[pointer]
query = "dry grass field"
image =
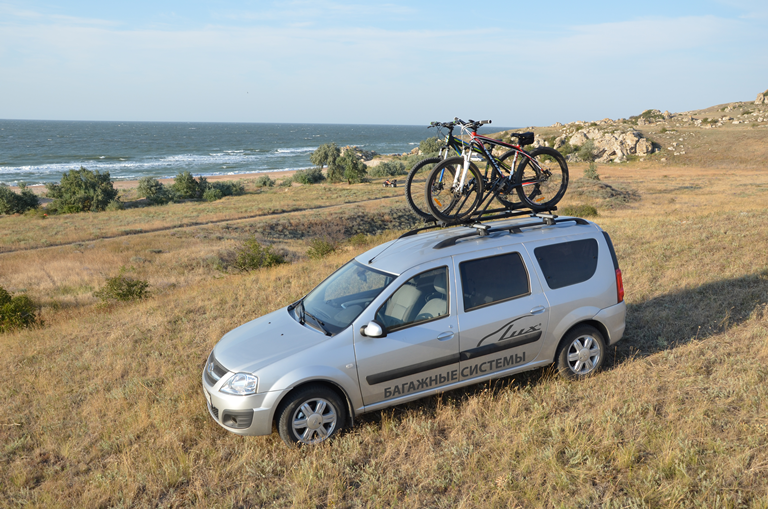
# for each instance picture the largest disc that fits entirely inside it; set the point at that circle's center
(102, 406)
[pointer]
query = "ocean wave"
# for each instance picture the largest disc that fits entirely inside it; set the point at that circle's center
(300, 150)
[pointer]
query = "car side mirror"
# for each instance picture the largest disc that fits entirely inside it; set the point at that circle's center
(373, 330)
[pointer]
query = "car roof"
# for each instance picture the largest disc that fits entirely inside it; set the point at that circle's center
(411, 250)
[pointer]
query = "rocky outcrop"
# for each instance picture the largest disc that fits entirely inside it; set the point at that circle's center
(614, 147)
(761, 99)
(363, 155)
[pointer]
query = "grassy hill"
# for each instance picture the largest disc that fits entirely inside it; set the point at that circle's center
(102, 406)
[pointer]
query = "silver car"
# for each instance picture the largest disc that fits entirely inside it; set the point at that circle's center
(419, 315)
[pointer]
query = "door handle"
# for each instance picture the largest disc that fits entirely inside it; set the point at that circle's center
(538, 310)
(445, 336)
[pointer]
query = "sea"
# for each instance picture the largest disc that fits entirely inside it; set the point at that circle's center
(40, 151)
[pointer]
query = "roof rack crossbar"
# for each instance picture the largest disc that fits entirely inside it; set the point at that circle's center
(483, 232)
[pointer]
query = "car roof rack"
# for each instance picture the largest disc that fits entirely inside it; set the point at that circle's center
(483, 230)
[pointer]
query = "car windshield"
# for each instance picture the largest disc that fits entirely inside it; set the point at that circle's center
(338, 300)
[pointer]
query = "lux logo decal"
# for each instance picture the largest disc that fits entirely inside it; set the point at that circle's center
(510, 331)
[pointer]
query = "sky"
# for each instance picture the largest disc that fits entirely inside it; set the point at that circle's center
(351, 62)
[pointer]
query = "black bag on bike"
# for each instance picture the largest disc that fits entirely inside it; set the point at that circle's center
(525, 138)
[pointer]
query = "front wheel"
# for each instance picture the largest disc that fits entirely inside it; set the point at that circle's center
(414, 187)
(449, 199)
(310, 416)
(541, 181)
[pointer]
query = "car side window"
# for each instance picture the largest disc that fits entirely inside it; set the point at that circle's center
(567, 263)
(494, 279)
(420, 299)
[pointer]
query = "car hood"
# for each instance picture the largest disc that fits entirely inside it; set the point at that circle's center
(264, 341)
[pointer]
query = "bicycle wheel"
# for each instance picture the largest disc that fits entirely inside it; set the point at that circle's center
(451, 202)
(542, 180)
(414, 187)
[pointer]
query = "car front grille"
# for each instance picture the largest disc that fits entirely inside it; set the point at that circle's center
(213, 370)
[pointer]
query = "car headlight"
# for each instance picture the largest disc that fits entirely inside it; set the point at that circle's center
(240, 384)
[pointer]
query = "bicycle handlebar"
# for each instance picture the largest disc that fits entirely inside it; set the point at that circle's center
(471, 123)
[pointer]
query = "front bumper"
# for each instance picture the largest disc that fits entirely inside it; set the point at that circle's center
(243, 415)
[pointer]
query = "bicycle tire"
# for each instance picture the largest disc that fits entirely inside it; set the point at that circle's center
(542, 187)
(414, 187)
(448, 205)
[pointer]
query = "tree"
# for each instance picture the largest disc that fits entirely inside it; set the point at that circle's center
(325, 155)
(81, 191)
(154, 191)
(430, 146)
(349, 168)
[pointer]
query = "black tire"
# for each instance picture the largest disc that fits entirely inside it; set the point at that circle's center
(415, 184)
(543, 186)
(453, 205)
(328, 415)
(581, 352)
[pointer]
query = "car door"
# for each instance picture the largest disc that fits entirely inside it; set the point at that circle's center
(419, 350)
(503, 313)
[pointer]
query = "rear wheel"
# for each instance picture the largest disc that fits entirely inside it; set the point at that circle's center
(542, 180)
(581, 352)
(414, 187)
(447, 198)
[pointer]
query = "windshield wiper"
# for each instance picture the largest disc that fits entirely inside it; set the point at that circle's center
(319, 322)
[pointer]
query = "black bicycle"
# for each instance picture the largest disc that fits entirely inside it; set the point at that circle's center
(456, 191)
(417, 177)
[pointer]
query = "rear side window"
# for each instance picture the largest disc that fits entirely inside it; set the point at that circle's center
(494, 279)
(567, 263)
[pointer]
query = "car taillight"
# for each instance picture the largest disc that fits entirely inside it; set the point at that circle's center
(619, 285)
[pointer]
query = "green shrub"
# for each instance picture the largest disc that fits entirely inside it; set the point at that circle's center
(252, 255)
(567, 148)
(81, 191)
(319, 248)
(430, 146)
(123, 288)
(212, 194)
(286, 182)
(186, 187)
(388, 169)
(154, 191)
(16, 312)
(587, 151)
(17, 203)
(359, 240)
(115, 205)
(309, 176)
(264, 181)
(228, 188)
(578, 211)
(591, 172)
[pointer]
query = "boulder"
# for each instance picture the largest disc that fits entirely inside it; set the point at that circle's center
(761, 99)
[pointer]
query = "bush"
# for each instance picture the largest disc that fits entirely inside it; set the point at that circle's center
(81, 191)
(310, 176)
(579, 211)
(430, 146)
(252, 255)
(228, 188)
(212, 194)
(388, 169)
(17, 203)
(264, 181)
(186, 187)
(319, 248)
(154, 191)
(591, 172)
(587, 151)
(16, 312)
(123, 288)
